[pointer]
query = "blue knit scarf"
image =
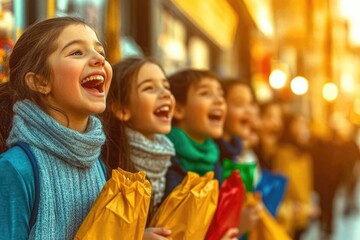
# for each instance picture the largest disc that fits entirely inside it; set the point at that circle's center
(70, 174)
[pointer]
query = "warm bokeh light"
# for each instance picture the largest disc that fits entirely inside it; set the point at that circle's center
(262, 13)
(263, 91)
(299, 85)
(354, 31)
(277, 79)
(265, 25)
(174, 49)
(347, 83)
(346, 8)
(349, 10)
(357, 106)
(330, 92)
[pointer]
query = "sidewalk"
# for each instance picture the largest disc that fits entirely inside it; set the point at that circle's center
(346, 227)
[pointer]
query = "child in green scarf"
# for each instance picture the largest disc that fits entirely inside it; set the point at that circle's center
(198, 118)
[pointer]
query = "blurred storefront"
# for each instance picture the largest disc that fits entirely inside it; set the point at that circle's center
(316, 41)
(260, 41)
(93, 11)
(178, 36)
(103, 15)
(12, 23)
(261, 46)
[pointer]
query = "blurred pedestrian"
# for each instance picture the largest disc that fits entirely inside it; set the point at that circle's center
(271, 117)
(293, 160)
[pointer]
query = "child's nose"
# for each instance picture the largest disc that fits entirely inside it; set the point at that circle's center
(165, 93)
(219, 99)
(98, 59)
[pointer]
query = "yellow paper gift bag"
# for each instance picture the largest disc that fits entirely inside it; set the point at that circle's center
(189, 208)
(121, 210)
(267, 227)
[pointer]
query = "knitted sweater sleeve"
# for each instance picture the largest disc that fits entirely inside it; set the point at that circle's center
(17, 194)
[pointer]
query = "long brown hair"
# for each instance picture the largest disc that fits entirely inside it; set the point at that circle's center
(30, 54)
(116, 153)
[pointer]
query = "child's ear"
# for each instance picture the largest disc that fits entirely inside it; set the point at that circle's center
(121, 113)
(179, 112)
(37, 83)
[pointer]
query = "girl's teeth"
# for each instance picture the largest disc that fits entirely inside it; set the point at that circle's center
(165, 108)
(91, 78)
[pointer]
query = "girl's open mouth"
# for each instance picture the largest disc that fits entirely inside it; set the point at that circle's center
(94, 82)
(163, 111)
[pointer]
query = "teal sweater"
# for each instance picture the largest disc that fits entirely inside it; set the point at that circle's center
(70, 175)
(18, 184)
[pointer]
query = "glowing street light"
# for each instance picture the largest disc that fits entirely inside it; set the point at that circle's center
(299, 85)
(277, 79)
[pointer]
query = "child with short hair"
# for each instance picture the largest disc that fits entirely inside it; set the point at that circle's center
(140, 110)
(198, 118)
(59, 78)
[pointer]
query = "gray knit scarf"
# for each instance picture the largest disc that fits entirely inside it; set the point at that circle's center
(153, 157)
(70, 174)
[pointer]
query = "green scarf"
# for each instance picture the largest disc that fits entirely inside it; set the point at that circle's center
(194, 156)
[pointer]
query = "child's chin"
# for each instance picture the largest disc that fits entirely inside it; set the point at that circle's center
(98, 109)
(216, 134)
(164, 130)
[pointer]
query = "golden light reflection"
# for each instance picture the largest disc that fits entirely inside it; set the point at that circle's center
(299, 85)
(330, 92)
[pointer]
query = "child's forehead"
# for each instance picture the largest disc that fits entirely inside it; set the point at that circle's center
(238, 89)
(77, 33)
(206, 81)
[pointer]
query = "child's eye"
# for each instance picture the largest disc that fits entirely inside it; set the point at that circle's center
(148, 88)
(77, 53)
(102, 53)
(167, 86)
(205, 93)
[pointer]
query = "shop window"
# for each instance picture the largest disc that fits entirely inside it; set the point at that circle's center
(7, 32)
(93, 11)
(199, 53)
(172, 43)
